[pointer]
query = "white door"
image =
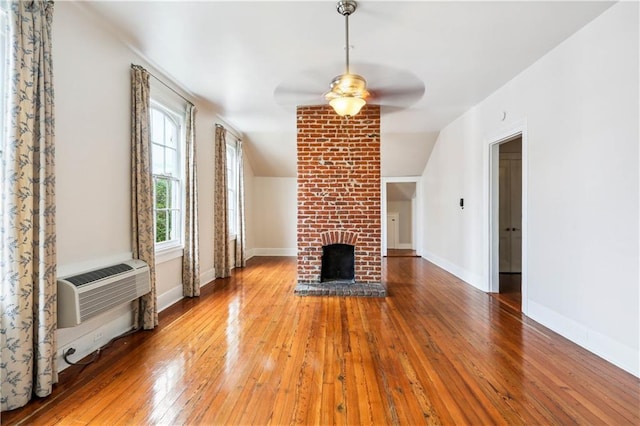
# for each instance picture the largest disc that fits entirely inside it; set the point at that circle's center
(516, 214)
(510, 212)
(392, 230)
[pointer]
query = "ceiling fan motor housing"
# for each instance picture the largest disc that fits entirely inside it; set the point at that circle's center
(346, 7)
(348, 85)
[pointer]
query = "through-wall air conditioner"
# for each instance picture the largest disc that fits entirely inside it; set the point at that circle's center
(88, 294)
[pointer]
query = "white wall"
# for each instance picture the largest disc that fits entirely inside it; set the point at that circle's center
(275, 216)
(249, 184)
(579, 106)
(92, 88)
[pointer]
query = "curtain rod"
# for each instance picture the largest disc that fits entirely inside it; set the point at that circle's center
(234, 134)
(163, 83)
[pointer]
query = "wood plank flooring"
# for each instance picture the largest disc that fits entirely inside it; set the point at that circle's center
(435, 351)
(401, 253)
(510, 291)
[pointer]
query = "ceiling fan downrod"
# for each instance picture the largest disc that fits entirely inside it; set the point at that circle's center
(346, 8)
(348, 91)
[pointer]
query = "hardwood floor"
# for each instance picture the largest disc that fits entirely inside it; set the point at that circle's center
(401, 253)
(510, 291)
(248, 351)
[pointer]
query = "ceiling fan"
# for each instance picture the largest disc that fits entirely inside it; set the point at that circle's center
(349, 92)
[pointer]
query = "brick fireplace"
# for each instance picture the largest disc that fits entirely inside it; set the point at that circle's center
(339, 200)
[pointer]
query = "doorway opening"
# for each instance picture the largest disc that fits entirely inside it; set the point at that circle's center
(510, 222)
(400, 217)
(507, 219)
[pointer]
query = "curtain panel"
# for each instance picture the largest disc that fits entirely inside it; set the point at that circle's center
(190, 258)
(28, 258)
(221, 255)
(240, 258)
(145, 308)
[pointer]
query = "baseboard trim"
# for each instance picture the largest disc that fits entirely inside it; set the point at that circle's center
(250, 253)
(603, 346)
(170, 297)
(97, 332)
(275, 252)
(207, 276)
(466, 276)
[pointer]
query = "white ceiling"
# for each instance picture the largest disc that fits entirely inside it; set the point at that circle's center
(236, 53)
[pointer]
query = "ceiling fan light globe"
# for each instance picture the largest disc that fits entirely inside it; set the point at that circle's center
(347, 106)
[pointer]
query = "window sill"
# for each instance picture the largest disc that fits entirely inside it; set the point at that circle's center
(166, 254)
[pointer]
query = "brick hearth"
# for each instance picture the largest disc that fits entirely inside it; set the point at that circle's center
(339, 197)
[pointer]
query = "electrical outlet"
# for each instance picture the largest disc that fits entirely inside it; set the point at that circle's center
(97, 336)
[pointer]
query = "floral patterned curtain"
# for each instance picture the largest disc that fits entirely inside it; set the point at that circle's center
(190, 262)
(28, 258)
(145, 308)
(221, 261)
(240, 260)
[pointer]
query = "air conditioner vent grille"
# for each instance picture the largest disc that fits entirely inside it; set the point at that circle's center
(99, 274)
(102, 299)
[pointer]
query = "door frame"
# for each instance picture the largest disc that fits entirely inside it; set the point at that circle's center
(492, 162)
(417, 208)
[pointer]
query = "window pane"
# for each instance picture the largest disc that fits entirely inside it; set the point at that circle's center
(230, 198)
(161, 226)
(171, 133)
(157, 159)
(232, 221)
(157, 126)
(174, 219)
(231, 211)
(175, 195)
(231, 176)
(172, 188)
(171, 158)
(170, 221)
(162, 193)
(230, 155)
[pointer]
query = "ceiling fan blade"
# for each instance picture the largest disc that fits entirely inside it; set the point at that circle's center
(295, 91)
(303, 88)
(291, 96)
(397, 96)
(388, 86)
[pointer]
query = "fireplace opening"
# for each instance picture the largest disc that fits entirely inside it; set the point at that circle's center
(338, 263)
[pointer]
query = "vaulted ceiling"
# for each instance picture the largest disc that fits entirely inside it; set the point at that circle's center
(235, 54)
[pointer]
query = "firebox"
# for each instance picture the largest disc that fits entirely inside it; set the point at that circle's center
(338, 263)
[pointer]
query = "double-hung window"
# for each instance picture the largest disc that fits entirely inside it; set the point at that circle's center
(232, 189)
(167, 143)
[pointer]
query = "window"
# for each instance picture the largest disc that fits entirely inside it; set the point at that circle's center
(232, 190)
(168, 184)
